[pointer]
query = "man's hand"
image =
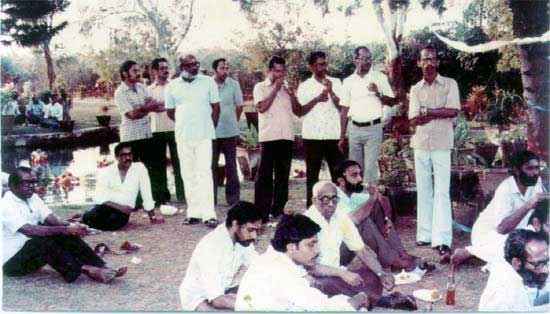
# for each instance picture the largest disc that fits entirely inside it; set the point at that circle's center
(289, 90)
(77, 229)
(388, 281)
(421, 120)
(360, 300)
(351, 278)
(311, 280)
(328, 86)
(388, 225)
(373, 88)
(279, 83)
(323, 96)
(342, 144)
(539, 197)
(374, 193)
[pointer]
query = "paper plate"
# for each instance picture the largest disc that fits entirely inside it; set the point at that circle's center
(427, 295)
(404, 278)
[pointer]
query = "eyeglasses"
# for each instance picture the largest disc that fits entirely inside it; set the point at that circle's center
(326, 199)
(434, 59)
(538, 265)
(364, 59)
(28, 183)
(197, 64)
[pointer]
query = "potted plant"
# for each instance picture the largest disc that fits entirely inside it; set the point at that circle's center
(251, 116)
(476, 103)
(464, 180)
(248, 153)
(104, 119)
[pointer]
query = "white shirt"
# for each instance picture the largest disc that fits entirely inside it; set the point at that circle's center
(56, 111)
(11, 108)
(322, 122)
(213, 266)
(15, 214)
(193, 103)
(339, 229)
(363, 105)
(159, 120)
(273, 282)
(505, 291)
(110, 188)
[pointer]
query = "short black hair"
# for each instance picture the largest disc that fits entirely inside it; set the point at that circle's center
(125, 67)
(275, 60)
(120, 147)
(341, 168)
(541, 212)
(216, 62)
(427, 47)
(314, 56)
(293, 229)
(356, 51)
(14, 95)
(519, 159)
(516, 242)
(155, 63)
(243, 212)
(15, 178)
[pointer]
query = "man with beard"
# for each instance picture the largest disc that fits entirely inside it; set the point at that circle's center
(514, 201)
(320, 100)
(372, 214)
(217, 258)
(192, 100)
(117, 190)
(516, 284)
(434, 103)
(227, 131)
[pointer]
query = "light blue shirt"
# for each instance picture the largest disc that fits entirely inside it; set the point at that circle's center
(35, 109)
(351, 203)
(231, 97)
(193, 103)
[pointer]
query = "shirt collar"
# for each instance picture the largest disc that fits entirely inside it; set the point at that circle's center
(16, 199)
(438, 80)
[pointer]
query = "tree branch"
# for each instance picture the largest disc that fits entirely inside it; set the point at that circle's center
(186, 29)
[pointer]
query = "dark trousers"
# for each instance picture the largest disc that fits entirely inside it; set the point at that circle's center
(332, 286)
(141, 151)
(316, 150)
(65, 254)
(270, 196)
(159, 181)
(20, 119)
(50, 123)
(103, 217)
(34, 119)
(227, 147)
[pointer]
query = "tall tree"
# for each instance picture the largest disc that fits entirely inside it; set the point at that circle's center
(30, 23)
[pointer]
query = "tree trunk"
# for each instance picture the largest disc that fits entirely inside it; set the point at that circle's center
(49, 63)
(531, 20)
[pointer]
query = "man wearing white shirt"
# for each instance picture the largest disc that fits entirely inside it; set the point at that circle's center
(276, 280)
(192, 100)
(365, 93)
(516, 282)
(320, 126)
(209, 282)
(33, 236)
(116, 192)
(514, 201)
(162, 128)
(339, 242)
(54, 113)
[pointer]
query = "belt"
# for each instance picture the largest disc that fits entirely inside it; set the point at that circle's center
(368, 123)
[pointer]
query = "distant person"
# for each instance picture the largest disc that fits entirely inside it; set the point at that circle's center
(33, 237)
(67, 103)
(277, 105)
(11, 108)
(35, 110)
(518, 283)
(54, 113)
(162, 128)
(116, 192)
(276, 280)
(227, 131)
(217, 258)
(320, 100)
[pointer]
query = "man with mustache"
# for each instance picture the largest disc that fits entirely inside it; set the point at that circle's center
(276, 280)
(434, 103)
(517, 283)
(192, 100)
(514, 201)
(207, 285)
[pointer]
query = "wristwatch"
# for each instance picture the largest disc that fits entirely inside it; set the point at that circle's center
(386, 218)
(423, 111)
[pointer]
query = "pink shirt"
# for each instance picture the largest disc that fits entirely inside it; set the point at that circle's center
(275, 123)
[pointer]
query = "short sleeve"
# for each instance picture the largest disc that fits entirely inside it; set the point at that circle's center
(414, 105)
(10, 218)
(40, 207)
(453, 98)
(503, 203)
(385, 86)
(122, 101)
(346, 93)
(237, 95)
(337, 88)
(258, 93)
(302, 95)
(213, 91)
(169, 101)
(352, 238)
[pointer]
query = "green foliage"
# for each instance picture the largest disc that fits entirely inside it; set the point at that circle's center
(250, 139)
(501, 111)
(461, 132)
(516, 134)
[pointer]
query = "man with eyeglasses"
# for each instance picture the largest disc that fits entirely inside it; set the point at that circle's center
(366, 91)
(518, 284)
(192, 100)
(339, 243)
(434, 103)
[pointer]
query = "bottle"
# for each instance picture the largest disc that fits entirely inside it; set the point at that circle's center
(451, 287)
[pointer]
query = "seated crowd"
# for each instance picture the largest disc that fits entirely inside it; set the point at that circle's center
(36, 112)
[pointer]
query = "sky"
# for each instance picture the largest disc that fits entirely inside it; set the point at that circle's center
(220, 23)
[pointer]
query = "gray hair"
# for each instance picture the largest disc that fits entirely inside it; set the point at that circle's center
(321, 184)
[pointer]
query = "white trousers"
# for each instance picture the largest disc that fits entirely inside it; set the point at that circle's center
(195, 165)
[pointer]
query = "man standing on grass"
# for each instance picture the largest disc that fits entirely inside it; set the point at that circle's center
(192, 100)
(227, 130)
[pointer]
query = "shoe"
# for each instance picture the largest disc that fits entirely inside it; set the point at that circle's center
(211, 223)
(191, 221)
(403, 302)
(422, 243)
(443, 250)
(426, 266)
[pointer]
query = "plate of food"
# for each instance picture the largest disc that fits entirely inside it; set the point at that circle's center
(427, 295)
(404, 278)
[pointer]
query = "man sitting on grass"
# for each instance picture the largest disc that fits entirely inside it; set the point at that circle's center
(217, 258)
(33, 237)
(117, 190)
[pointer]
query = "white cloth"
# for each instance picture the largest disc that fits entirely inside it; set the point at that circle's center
(505, 291)
(47, 108)
(340, 229)
(16, 213)
(55, 112)
(196, 172)
(160, 122)
(322, 122)
(487, 243)
(363, 105)
(213, 266)
(110, 188)
(273, 282)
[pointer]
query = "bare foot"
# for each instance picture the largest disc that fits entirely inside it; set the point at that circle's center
(460, 256)
(104, 275)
